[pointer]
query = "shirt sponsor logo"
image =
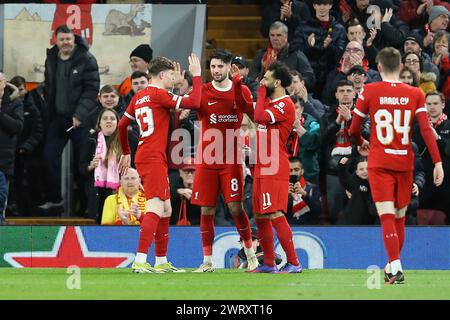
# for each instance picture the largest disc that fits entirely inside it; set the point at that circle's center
(394, 101)
(213, 118)
(143, 100)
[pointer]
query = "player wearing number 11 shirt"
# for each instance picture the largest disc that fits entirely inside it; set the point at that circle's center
(392, 107)
(151, 107)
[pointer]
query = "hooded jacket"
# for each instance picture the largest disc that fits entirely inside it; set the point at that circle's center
(83, 80)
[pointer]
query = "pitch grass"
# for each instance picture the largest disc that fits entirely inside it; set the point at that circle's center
(220, 285)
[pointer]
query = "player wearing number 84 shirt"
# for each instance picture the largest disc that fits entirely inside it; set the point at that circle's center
(392, 107)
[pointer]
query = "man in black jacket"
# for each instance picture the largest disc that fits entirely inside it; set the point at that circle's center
(71, 87)
(279, 49)
(11, 124)
(432, 197)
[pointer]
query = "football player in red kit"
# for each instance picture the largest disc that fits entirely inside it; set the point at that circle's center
(392, 107)
(275, 116)
(219, 157)
(151, 107)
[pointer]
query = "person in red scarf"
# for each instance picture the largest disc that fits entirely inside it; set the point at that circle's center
(303, 142)
(336, 145)
(354, 55)
(432, 197)
(304, 204)
(279, 49)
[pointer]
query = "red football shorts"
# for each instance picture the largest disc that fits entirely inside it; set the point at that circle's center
(155, 179)
(270, 195)
(388, 185)
(208, 182)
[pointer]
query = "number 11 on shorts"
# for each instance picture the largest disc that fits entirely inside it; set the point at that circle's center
(266, 200)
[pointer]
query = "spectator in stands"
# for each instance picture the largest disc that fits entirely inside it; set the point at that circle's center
(441, 59)
(356, 32)
(414, 43)
(99, 159)
(432, 197)
(323, 40)
(336, 145)
(438, 18)
(360, 208)
(186, 120)
(139, 60)
(358, 76)
(3, 196)
(108, 98)
(11, 125)
(393, 30)
(304, 141)
(139, 81)
(297, 88)
(290, 12)
(415, 12)
(27, 176)
(71, 87)
(409, 77)
(181, 194)
(418, 183)
(353, 56)
(304, 203)
(128, 204)
(415, 64)
(280, 50)
(252, 84)
(239, 260)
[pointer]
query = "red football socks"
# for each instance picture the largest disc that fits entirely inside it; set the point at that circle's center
(390, 236)
(400, 227)
(265, 236)
(207, 232)
(243, 227)
(284, 235)
(149, 224)
(162, 237)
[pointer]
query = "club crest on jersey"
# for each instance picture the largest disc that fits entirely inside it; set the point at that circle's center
(213, 118)
(143, 100)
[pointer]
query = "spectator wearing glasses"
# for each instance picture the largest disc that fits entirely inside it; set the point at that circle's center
(353, 55)
(414, 43)
(426, 79)
(139, 60)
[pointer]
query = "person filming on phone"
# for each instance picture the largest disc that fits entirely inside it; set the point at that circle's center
(304, 204)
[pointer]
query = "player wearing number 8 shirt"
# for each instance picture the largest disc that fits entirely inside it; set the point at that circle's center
(275, 118)
(151, 107)
(219, 159)
(392, 107)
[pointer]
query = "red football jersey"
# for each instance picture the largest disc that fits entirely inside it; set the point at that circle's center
(282, 115)
(220, 122)
(392, 107)
(150, 107)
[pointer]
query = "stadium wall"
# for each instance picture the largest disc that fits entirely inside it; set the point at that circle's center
(114, 246)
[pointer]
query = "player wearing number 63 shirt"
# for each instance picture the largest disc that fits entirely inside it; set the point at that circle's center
(275, 118)
(392, 107)
(151, 107)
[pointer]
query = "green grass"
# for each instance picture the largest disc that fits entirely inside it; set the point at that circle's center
(222, 284)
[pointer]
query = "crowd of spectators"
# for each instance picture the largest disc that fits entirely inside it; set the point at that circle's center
(330, 47)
